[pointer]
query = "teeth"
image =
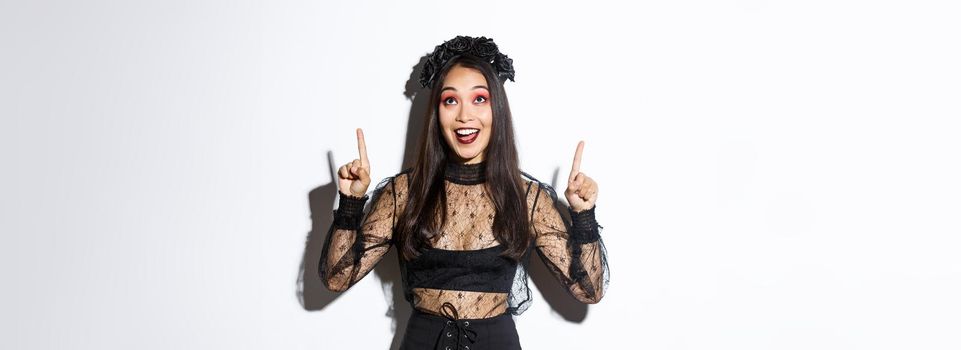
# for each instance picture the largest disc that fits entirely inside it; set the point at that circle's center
(465, 132)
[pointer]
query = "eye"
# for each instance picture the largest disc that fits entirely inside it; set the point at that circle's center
(449, 101)
(480, 99)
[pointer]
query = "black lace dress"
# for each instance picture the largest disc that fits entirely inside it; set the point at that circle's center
(460, 278)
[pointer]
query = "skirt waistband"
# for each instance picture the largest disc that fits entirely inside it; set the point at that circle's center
(478, 321)
(448, 332)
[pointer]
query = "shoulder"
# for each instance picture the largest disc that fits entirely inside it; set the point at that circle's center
(401, 179)
(537, 191)
(398, 178)
(395, 184)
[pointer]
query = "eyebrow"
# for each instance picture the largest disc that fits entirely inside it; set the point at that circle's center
(475, 87)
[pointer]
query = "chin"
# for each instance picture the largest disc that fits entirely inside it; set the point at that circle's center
(467, 156)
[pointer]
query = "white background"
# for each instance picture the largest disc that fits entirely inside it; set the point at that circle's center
(773, 174)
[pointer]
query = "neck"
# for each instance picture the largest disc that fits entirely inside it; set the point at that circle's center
(466, 174)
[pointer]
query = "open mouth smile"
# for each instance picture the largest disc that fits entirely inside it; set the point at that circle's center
(467, 135)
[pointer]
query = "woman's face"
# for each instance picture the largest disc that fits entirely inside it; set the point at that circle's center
(465, 114)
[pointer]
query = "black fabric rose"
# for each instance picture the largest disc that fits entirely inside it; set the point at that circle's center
(459, 44)
(484, 48)
(442, 54)
(504, 67)
(427, 72)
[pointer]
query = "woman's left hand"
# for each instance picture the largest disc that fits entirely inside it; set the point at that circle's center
(581, 190)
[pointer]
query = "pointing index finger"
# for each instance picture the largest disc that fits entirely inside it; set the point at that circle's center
(576, 168)
(361, 147)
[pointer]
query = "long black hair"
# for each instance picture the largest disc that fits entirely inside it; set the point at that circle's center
(427, 196)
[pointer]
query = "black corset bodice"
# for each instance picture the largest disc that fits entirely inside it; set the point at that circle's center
(481, 270)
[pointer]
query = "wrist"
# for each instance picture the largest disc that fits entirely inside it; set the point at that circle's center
(584, 227)
(350, 211)
(351, 195)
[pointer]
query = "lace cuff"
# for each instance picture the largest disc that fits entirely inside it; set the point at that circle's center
(584, 228)
(350, 212)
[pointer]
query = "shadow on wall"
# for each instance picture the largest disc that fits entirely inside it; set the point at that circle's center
(311, 291)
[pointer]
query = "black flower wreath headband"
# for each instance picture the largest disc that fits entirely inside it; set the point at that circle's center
(482, 48)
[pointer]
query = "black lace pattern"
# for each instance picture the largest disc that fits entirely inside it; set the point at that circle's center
(569, 243)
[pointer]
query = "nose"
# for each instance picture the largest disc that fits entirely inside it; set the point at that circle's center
(464, 115)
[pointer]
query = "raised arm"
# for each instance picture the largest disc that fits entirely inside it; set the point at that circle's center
(356, 242)
(572, 248)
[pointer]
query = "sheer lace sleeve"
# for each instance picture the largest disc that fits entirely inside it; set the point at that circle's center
(571, 248)
(357, 242)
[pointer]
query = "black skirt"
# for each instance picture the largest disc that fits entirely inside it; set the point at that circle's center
(427, 331)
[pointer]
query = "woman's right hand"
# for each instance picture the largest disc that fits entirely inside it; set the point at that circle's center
(354, 177)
